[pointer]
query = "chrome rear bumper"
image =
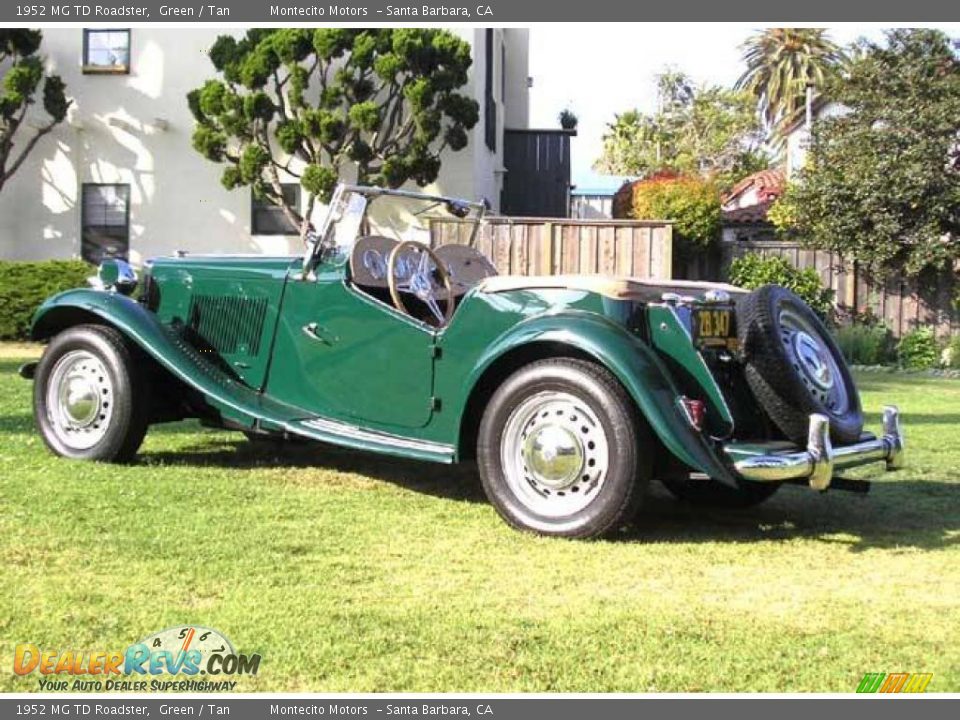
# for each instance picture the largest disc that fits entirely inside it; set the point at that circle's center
(818, 462)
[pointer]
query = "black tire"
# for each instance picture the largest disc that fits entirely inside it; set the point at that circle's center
(125, 420)
(711, 493)
(610, 427)
(767, 320)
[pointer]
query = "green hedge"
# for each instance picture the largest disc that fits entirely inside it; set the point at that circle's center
(754, 270)
(951, 353)
(24, 285)
(919, 349)
(866, 344)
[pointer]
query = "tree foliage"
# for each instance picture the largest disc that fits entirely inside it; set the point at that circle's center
(882, 180)
(317, 103)
(22, 79)
(781, 62)
(690, 201)
(697, 130)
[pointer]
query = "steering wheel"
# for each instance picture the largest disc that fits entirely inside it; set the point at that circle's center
(420, 281)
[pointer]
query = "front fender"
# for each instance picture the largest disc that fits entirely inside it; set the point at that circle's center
(233, 399)
(635, 365)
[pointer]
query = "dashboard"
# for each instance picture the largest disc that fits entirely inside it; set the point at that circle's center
(368, 264)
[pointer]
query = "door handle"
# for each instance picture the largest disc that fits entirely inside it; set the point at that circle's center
(319, 333)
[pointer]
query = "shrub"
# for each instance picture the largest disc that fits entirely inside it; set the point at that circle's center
(918, 349)
(693, 204)
(754, 270)
(24, 285)
(567, 119)
(951, 353)
(866, 344)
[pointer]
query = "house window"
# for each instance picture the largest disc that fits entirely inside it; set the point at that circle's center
(105, 221)
(106, 51)
(268, 218)
(489, 103)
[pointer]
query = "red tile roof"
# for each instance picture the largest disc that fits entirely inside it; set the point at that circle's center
(769, 183)
(752, 215)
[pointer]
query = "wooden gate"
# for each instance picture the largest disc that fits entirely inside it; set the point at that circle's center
(537, 182)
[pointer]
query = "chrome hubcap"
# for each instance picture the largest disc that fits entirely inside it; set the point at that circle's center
(554, 454)
(79, 400)
(813, 361)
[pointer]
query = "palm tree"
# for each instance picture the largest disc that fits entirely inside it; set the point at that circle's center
(781, 63)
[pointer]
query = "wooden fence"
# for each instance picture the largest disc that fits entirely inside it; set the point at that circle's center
(555, 246)
(638, 248)
(903, 303)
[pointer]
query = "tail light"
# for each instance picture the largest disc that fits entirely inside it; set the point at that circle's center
(695, 410)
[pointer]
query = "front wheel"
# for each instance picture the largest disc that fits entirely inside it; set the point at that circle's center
(88, 397)
(562, 451)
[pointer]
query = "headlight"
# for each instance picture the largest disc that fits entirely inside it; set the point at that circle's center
(115, 275)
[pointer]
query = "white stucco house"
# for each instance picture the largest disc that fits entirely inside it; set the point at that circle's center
(120, 175)
(798, 134)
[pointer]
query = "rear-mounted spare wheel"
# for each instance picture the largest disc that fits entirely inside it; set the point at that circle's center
(793, 366)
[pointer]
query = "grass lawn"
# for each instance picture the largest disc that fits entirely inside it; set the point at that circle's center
(349, 572)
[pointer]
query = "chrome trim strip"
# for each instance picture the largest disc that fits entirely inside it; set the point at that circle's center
(358, 434)
(818, 462)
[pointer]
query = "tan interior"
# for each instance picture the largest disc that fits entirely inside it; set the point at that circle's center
(618, 288)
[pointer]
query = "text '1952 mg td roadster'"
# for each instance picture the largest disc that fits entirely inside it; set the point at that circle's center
(571, 393)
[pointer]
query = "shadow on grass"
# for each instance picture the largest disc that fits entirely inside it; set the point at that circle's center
(18, 423)
(911, 419)
(894, 515)
(902, 514)
(451, 482)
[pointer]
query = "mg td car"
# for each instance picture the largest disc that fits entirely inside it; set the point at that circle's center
(571, 393)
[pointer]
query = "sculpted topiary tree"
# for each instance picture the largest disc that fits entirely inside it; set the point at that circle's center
(21, 79)
(375, 105)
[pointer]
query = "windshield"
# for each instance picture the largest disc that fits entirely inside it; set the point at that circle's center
(346, 214)
(400, 215)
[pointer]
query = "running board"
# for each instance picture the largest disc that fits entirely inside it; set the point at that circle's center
(352, 436)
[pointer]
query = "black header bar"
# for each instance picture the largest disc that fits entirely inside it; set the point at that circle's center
(474, 12)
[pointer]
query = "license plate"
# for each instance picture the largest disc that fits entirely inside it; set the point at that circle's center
(714, 327)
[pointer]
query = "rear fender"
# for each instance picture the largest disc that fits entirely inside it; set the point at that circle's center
(635, 365)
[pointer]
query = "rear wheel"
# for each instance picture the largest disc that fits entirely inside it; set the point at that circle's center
(89, 399)
(561, 450)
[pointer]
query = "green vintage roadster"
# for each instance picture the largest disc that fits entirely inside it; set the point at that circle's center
(569, 392)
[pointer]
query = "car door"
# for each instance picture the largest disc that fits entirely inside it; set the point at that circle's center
(343, 355)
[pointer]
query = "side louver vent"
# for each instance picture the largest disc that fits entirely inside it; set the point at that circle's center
(230, 325)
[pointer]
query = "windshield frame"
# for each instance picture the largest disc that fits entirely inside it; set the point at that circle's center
(327, 241)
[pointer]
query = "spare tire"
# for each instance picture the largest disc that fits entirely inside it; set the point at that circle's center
(794, 367)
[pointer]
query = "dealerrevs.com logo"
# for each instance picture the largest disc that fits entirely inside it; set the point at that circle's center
(186, 659)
